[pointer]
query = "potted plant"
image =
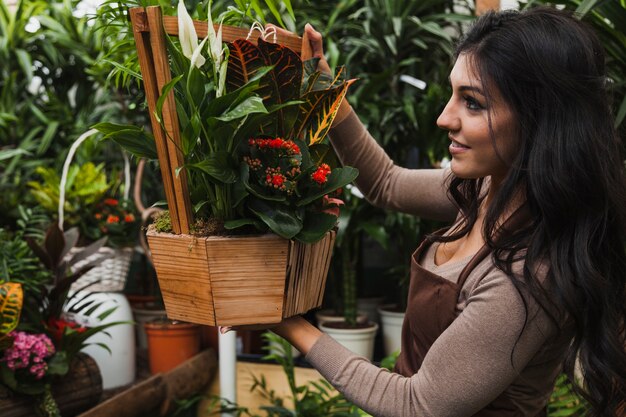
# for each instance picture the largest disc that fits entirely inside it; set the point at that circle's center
(356, 335)
(83, 197)
(40, 341)
(247, 155)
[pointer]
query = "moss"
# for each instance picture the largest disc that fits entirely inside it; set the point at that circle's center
(163, 222)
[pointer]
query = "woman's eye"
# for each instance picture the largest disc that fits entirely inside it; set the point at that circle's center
(472, 104)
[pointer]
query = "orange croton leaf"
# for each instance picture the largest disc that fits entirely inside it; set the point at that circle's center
(11, 299)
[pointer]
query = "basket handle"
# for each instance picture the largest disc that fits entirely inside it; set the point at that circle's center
(66, 168)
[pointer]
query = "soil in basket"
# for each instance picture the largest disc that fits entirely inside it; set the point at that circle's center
(344, 325)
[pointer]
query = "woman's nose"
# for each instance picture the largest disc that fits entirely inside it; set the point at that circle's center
(448, 120)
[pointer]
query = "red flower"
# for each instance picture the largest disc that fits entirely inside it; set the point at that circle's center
(129, 218)
(276, 143)
(113, 219)
(98, 216)
(278, 180)
(320, 175)
(110, 202)
(57, 328)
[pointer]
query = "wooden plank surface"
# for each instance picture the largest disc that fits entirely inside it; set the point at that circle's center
(139, 21)
(170, 117)
(247, 278)
(183, 274)
(229, 33)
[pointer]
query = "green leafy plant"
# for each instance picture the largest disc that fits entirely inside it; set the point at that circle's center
(39, 331)
(86, 186)
(245, 91)
(313, 399)
(564, 401)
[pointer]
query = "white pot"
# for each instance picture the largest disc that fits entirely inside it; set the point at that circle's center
(117, 367)
(359, 341)
(392, 328)
(329, 316)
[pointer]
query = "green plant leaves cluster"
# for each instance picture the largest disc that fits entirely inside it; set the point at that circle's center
(270, 93)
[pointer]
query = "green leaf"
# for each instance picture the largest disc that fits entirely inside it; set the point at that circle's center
(163, 96)
(249, 106)
(134, 139)
(234, 224)
(58, 364)
(281, 222)
(218, 166)
(339, 177)
(315, 226)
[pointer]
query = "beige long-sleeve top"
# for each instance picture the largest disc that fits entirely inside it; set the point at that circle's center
(487, 350)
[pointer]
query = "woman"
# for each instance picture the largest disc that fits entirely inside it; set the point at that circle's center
(532, 274)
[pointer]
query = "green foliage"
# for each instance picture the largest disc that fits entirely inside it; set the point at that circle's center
(248, 91)
(564, 401)
(313, 399)
(49, 93)
(85, 187)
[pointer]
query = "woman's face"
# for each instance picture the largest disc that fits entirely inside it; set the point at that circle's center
(466, 117)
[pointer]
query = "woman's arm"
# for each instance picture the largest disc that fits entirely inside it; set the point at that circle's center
(384, 184)
(422, 192)
(467, 367)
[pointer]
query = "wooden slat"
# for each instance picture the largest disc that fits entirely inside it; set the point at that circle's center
(170, 117)
(139, 21)
(247, 278)
(183, 273)
(229, 33)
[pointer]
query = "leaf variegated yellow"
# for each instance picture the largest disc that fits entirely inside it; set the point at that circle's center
(11, 299)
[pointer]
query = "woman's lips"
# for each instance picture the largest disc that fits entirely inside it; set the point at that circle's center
(456, 147)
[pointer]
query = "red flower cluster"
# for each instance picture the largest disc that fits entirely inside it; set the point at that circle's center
(57, 328)
(320, 175)
(288, 146)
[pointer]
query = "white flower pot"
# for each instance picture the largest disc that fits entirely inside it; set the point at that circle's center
(117, 366)
(392, 328)
(329, 316)
(359, 341)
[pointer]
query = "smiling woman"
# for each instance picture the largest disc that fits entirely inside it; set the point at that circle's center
(532, 273)
(482, 136)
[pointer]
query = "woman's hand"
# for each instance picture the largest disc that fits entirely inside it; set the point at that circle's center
(296, 330)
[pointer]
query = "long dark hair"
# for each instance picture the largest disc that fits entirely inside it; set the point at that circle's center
(549, 68)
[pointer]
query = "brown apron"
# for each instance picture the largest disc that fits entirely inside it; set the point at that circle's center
(431, 308)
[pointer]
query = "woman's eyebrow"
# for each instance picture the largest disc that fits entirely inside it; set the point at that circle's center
(464, 88)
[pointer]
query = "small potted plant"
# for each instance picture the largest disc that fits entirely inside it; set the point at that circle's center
(40, 342)
(240, 134)
(88, 201)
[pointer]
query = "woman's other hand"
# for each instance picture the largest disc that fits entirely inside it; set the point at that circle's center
(296, 330)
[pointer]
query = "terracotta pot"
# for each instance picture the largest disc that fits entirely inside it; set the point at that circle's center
(171, 343)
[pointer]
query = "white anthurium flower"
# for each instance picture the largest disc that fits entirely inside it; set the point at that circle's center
(215, 41)
(186, 31)
(197, 59)
(221, 87)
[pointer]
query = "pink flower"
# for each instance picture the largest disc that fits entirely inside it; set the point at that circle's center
(28, 352)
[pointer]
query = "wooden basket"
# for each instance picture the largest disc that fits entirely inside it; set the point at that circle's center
(239, 280)
(234, 280)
